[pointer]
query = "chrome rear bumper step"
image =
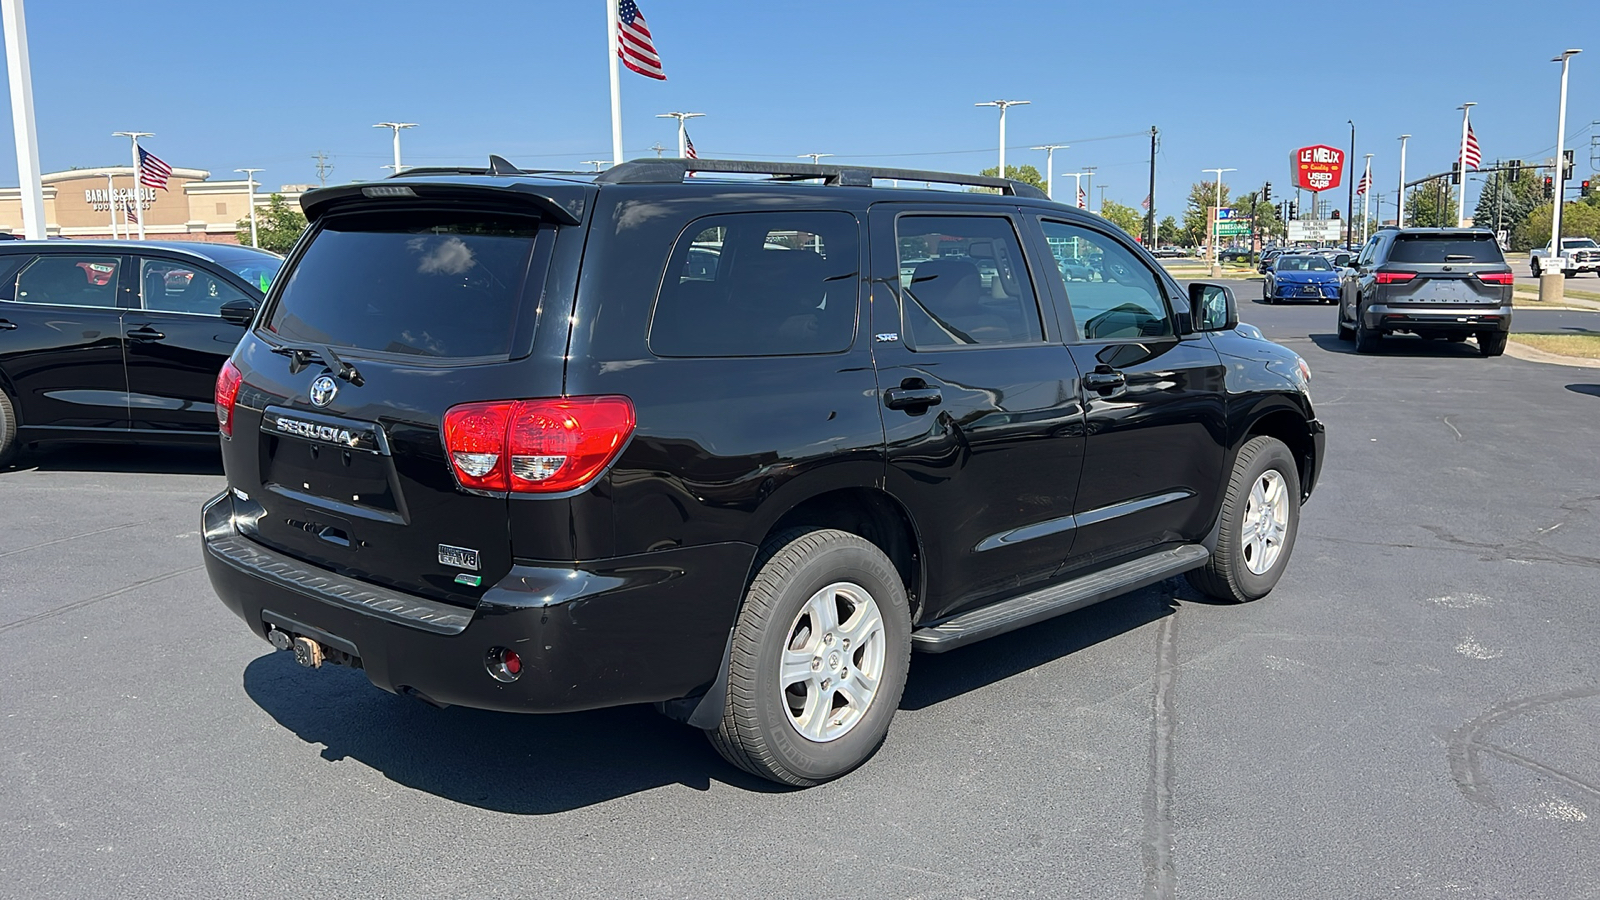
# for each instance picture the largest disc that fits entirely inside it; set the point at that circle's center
(1052, 601)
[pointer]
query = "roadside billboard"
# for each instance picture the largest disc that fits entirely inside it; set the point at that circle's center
(1317, 168)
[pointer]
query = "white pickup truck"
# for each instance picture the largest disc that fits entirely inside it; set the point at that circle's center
(1578, 254)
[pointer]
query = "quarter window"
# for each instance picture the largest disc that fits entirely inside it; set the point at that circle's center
(964, 281)
(760, 284)
(1112, 295)
(70, 280)
(167, 286)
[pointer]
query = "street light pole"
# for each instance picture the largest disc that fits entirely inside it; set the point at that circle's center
(20, 73)
(1088, 174)
(397, 126)
(1050, 167)
(1216, 260)
(597, 163)
(1350, 187)
(1003, 104)
(683, 131)
(814, 157)
(1461, 208)
(250, 182)
(1400, 203)
(134, 137)
(1552, 285)
(1366, 197)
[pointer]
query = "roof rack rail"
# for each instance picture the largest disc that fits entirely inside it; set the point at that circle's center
(672, 171)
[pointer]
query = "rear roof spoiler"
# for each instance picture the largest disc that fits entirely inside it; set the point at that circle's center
(561, 202)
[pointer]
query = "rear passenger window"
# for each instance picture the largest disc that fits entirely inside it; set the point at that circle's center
(70, 280)
(963, 281)
(166, 286)
(1113, 296)
(760, 284)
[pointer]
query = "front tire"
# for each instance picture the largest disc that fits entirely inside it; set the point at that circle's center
(1259, 521)
(1533, 265)
(819, 659)
(8, 430)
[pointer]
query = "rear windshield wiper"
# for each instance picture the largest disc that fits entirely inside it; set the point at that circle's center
(301, 353)
(1466, 256)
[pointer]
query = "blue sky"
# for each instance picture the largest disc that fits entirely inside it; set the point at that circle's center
(226, 85)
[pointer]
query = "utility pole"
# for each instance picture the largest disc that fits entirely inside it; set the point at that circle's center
(398, 127)
(1552, 286)
(1150, 214)
(1003, 105)
(250, 180)
(20, 73)
(1050, 167)
(1350, 187)
(1216, 259)
(1466, 125)
(683, 131)
(814, 157)
(323, 167)
(1400, 203)
(658, 149)
(134, 136)
(1103, 199)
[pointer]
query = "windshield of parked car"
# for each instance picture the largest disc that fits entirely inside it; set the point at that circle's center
(1303, 264)
(1445, 247)
(1578, 243)
(254, 266)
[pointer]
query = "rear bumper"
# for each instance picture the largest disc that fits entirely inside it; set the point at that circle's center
(1436, 318)
(639, 629)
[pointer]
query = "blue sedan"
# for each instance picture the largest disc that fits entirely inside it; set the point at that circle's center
(1301, 277)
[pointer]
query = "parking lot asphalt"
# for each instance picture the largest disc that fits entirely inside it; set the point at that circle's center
(1412, 713)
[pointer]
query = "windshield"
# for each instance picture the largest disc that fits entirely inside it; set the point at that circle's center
(1443, 248)
(258, 267)
(1578, 243)
(442, 285)
(1303, 264)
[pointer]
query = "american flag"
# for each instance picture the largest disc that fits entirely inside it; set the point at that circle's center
(1473, 157)
(634, 46)
(688, 147)
(152, 171)
(1364, 183)
(1145, 202)
(130, 208)
(1082, 199)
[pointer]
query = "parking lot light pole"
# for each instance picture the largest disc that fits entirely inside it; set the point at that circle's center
(1216, 259)
(816, 158)
(1003, 104)
(683, 130)
(250, 184)
(1050, 167)
(20, 74)
(1366, 201)
(1400, 204)
(1077, 185)
(1552, 285)
(397, 126)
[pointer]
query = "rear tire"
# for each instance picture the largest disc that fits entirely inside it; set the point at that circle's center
(1492, 343)
(8, 430)
(819, 659)
(1259, 520)
(1366, 338)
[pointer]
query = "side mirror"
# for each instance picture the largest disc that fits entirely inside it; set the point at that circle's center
(239, 312)
(1214, 307)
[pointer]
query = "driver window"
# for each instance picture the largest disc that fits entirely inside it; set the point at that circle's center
(1113, 296)
(168, 286)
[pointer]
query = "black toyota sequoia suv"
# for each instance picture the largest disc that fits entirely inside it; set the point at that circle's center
(734, 444)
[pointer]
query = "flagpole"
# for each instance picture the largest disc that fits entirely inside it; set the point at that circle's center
(134, 136)
(111, 204)
(1461, 209)
(616, 82)
(1366, 200)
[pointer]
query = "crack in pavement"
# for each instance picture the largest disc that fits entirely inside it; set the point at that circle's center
(79, 604)
(72, 538)
(1467, 745)
(1160, 882)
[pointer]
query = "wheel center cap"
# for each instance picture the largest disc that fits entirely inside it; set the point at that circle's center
(833, 661)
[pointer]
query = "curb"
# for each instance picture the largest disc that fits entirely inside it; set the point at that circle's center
(1530, 354)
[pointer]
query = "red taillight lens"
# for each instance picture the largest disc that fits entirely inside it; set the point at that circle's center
(536, 446)
(1495, 277)
(475, 438)
(228, 381)
(1395, 277)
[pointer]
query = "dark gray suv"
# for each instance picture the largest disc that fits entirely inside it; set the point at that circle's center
(1445, 283)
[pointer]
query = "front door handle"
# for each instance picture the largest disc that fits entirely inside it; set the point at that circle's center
(910, 398)
(145, 333)
(1105, 379)
(6, 325)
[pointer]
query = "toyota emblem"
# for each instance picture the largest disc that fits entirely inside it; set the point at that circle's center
(323, 391)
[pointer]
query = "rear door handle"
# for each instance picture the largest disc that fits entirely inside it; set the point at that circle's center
(908, 398)
(145, 333)
(7, 325)
(1105, 381)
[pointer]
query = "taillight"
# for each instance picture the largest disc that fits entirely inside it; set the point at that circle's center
(536, 446)
(1495, 277)
(1395, 277)
(228, 381)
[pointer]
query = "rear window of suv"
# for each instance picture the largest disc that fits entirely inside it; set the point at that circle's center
(1444, 248)
(428, 284)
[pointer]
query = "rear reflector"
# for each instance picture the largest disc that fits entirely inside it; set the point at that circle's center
(1395, 277)
(536, 446)
(228, 381)
(1495, 277)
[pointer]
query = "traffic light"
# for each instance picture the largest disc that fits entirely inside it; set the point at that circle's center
(1549, 186)
(1266, 192)
(1334, 214)
(1294, 209)
(1583, 189)
(1455, 173)
(1515, 166)
(1566, 169)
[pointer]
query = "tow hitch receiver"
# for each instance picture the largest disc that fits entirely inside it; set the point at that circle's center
(307, 652)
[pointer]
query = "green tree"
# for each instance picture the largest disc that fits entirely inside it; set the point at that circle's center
(1168, 231)
(1429, 207)
(1125, 217)
(1506, 204)
(1578, 219)
(1202, 198)
(1024, 174)
(278, 226)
